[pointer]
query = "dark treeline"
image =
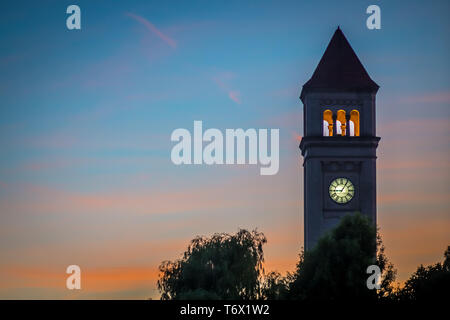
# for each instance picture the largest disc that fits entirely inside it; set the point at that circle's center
(228, 266)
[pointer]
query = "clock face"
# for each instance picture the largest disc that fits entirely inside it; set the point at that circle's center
(341, 190)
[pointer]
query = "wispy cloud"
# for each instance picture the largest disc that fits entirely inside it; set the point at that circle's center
(434, 97)
(221, 80)
(296, 136)
(235, 96)
(94, 281)
(414, 197)
(43, 199)
(151, 27)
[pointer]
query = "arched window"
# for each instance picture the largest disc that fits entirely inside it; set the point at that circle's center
(341, 123)
(354, 123)
(351, 128)
(327, 123)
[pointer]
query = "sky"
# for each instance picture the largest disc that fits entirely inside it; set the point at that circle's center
(86, 117)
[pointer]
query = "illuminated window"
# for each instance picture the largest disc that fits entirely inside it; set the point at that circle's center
(354, 123)
(341, 123)
(327, 123)
(351, 128)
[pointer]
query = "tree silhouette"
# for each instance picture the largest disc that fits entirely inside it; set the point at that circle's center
(388, 272)
(275, 286)
(335, 269)
(228, 266)
(429, 283)
(221, 267)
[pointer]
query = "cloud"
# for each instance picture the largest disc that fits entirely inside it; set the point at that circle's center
(411, 240)
(416, 127)
(149, 218)
(53, 141)
(296, 136)
(221, 80)
(48, 200)
(435, 97)
(94, 280)
(153, 29)
(408, 165)
(235, 96)
(414, 197)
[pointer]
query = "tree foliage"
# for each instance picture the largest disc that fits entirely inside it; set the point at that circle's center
(335, 269)
(275, 286)
(221, 267)
(388, 272)
(429, 283)
(228, 266)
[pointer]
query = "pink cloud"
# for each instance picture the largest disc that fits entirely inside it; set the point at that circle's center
(414, 126)
(95, 279)
(296, 136)
(436, 97)
(413, 197)
(407, 164)
(54, 141)
(234, 95)
(153, 29)
(42, 199)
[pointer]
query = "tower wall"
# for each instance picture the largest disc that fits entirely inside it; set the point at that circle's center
(339, 145)
(327, 158)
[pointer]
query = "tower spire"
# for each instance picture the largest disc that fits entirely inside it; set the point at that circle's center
(340, 69)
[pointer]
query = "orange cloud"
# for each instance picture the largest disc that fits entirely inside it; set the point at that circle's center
(276, 207)
(411, 240)
(296, 136)
(153, 29)
(94, 281)
(232, 193)
(414, 197)
(106, 279)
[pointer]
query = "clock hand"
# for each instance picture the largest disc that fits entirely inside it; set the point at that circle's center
(343, 187)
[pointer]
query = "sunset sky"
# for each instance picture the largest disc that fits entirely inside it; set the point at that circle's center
(86, 118)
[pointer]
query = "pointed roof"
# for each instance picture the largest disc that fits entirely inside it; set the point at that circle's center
(339, 69)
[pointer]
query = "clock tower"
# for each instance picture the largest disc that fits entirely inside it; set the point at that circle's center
(339, 140)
